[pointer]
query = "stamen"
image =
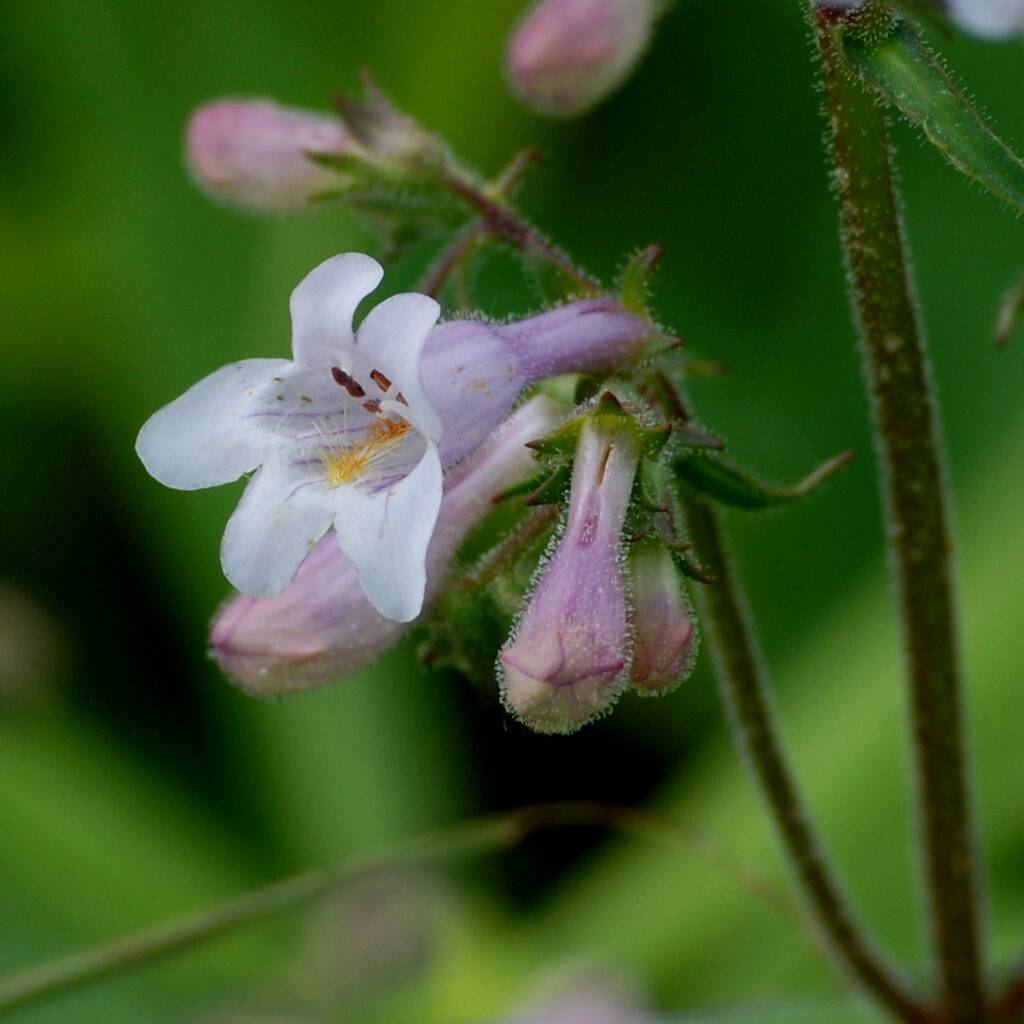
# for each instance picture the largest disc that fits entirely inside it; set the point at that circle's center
(372, 405)
(348, 382)
(343, 465)
(380, 380)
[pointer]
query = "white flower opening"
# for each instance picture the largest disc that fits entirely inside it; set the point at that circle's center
(341, 437)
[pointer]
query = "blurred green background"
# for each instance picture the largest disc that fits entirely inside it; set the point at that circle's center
(136, 784)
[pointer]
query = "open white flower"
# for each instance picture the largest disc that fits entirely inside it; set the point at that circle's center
(342, 436)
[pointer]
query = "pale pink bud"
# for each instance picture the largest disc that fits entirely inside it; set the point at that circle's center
(255, 153)
(321, 627)
(663, 631)
(569, 658)
(569, 54)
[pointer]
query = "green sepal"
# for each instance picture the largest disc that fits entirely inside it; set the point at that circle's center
(635, 283)
(910, 77)
(725, 483)
(561, 443)
(688, 568)
(553, 489)
(652, 488)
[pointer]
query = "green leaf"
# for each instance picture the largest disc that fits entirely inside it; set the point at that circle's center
(911, 78)
(730, 486)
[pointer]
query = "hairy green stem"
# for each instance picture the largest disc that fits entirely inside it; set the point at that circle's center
(916, 518)
(748, 702)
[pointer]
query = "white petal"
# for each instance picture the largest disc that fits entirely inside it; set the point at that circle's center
(392, 337)
(276, 524)
(989, 19)
(324, 301)
(386, 533)
(205, 437)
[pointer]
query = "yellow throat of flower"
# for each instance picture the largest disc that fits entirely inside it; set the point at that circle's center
(343, 465)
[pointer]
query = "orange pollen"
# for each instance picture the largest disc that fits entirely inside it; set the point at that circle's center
(343, 465)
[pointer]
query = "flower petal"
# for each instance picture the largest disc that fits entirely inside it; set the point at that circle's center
(205, 438)
(392, 337)
(273, 529)
(324, 302)
(386, 533)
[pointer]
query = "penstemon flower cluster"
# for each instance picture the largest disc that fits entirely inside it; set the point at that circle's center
(389, 440)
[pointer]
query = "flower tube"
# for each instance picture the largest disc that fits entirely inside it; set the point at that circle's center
(569, 657)
(322, 627)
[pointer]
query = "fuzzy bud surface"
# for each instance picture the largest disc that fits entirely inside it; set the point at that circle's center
(663, 631)
(569, 657)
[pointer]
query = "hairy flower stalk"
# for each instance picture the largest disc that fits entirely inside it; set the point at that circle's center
(918, 531)
(569, 658)
(347, 436)
(321, 627)
(747, 698)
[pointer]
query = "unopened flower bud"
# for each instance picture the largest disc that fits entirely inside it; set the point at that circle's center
(255, 153)
(568, 55)
(569, 657)
(322, 627)
(663, 631)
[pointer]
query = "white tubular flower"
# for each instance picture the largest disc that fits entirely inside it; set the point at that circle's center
(341, 436)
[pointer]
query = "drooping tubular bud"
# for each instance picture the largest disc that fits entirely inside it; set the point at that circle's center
(569, 657)
(567, 55)
(255, 153)
(321, 627)
(664, 636)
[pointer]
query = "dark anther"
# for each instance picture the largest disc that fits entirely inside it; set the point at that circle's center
(380, 380)
(347, 382)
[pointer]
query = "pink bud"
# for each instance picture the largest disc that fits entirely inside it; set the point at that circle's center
(568, 660)
(569, 54)
(321, 627)
(663, 631)
(255, 153)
